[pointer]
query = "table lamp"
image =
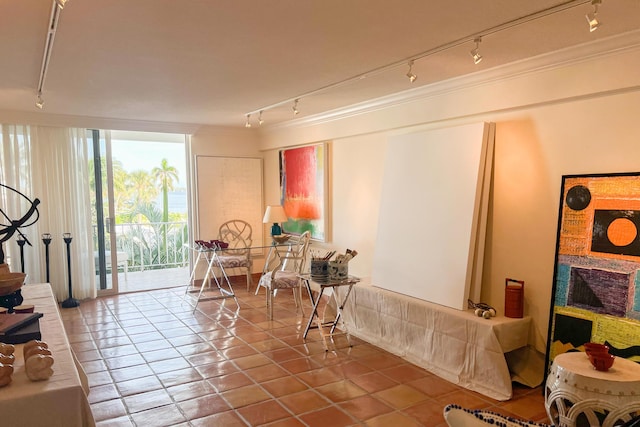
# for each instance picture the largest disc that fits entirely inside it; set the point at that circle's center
(274, 215)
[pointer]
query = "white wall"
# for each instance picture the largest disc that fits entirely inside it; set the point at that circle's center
(562, 114)
(222, 142)
(567, 113)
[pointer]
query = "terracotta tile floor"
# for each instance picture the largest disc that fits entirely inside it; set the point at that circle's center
(152, 361)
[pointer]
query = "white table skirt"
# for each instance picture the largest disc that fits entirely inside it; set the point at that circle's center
(455, 345)
(61, 400)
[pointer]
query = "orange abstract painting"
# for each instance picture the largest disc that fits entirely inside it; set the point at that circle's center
(302, 184)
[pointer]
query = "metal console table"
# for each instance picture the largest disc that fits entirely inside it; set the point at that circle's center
(331, 324)
(209, 256)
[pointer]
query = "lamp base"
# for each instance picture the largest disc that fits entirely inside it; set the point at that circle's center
(275, 229)
(70, 303)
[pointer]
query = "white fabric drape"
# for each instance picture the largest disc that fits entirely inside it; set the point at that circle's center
(14, 172)
(51, 164)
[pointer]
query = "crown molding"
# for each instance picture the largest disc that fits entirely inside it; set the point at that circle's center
(543, 63)
(61, 120)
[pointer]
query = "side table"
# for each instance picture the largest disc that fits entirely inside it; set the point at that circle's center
(210, 258)
(330, 283)
(577, 395)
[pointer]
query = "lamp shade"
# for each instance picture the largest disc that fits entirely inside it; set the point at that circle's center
(274, 214)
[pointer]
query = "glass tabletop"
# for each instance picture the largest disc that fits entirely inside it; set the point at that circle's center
(329, 282)
(200, 248)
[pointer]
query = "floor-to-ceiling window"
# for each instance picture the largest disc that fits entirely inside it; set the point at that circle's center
(140, 210)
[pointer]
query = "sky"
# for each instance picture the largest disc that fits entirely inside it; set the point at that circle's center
(136, 155)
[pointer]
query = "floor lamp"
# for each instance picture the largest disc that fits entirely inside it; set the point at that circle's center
(21, 243)
(46, 239)
(69, 302)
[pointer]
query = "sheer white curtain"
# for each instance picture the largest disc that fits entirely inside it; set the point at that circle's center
(51, 164)
(14, 173)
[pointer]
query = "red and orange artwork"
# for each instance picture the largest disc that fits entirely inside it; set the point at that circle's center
(302, 179)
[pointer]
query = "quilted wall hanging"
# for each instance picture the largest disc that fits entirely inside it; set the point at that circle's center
(596, 288)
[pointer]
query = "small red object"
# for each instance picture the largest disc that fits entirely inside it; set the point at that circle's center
(514, 298)
(601, 361)
(595, 348)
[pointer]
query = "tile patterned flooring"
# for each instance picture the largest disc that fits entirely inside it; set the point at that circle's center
(147, 280)
(151, 360)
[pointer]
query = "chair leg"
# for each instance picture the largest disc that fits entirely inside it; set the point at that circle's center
(249, 280)
(297, 295)
(269, 304)
(259, 285)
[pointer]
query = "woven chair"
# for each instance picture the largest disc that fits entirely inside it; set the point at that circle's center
(238, 234)
(287, 265)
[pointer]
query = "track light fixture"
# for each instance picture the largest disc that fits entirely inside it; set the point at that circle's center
(39, 101)
(463, 41)
(56, 7)
(260, 121)
(475, 54)
(412, 77)
(248, 122)
(592, 18)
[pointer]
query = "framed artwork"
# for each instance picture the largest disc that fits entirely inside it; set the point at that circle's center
(229, 188)
(303, 190)
(596, 287)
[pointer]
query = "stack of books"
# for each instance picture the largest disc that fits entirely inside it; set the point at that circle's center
(18, 328)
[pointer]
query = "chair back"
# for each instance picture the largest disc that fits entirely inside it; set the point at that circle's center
(238, 234)
(296, 258)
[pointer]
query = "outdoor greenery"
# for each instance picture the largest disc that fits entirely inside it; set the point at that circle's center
(152, 237)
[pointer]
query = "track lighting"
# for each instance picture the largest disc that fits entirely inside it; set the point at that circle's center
(39, 101)
(452, 44)
(475, 54)
(61, 3)
(260, 121)
(412, 77)
(592, 18)
(248, 122)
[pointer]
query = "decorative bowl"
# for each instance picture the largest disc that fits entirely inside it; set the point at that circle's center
(281, 238)
(602, 361)
(11, 282)
(595, 348)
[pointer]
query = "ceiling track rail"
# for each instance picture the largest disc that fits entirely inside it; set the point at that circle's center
(455, 43)
(48, 46)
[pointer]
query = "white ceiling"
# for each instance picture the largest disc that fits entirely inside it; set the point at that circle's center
(212, 61)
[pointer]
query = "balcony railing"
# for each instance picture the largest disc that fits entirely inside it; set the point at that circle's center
(154, 245)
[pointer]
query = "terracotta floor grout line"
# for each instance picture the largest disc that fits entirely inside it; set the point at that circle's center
(129, 413)
(233, 323)
(232, 408)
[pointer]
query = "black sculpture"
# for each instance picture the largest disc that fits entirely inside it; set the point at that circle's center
(14, 225)
(6, 232)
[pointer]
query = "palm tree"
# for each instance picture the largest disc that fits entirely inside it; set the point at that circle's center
(165, 176)
(119, 186)
(140, 183)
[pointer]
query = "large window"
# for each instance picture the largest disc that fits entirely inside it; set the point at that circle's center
(140, 201)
